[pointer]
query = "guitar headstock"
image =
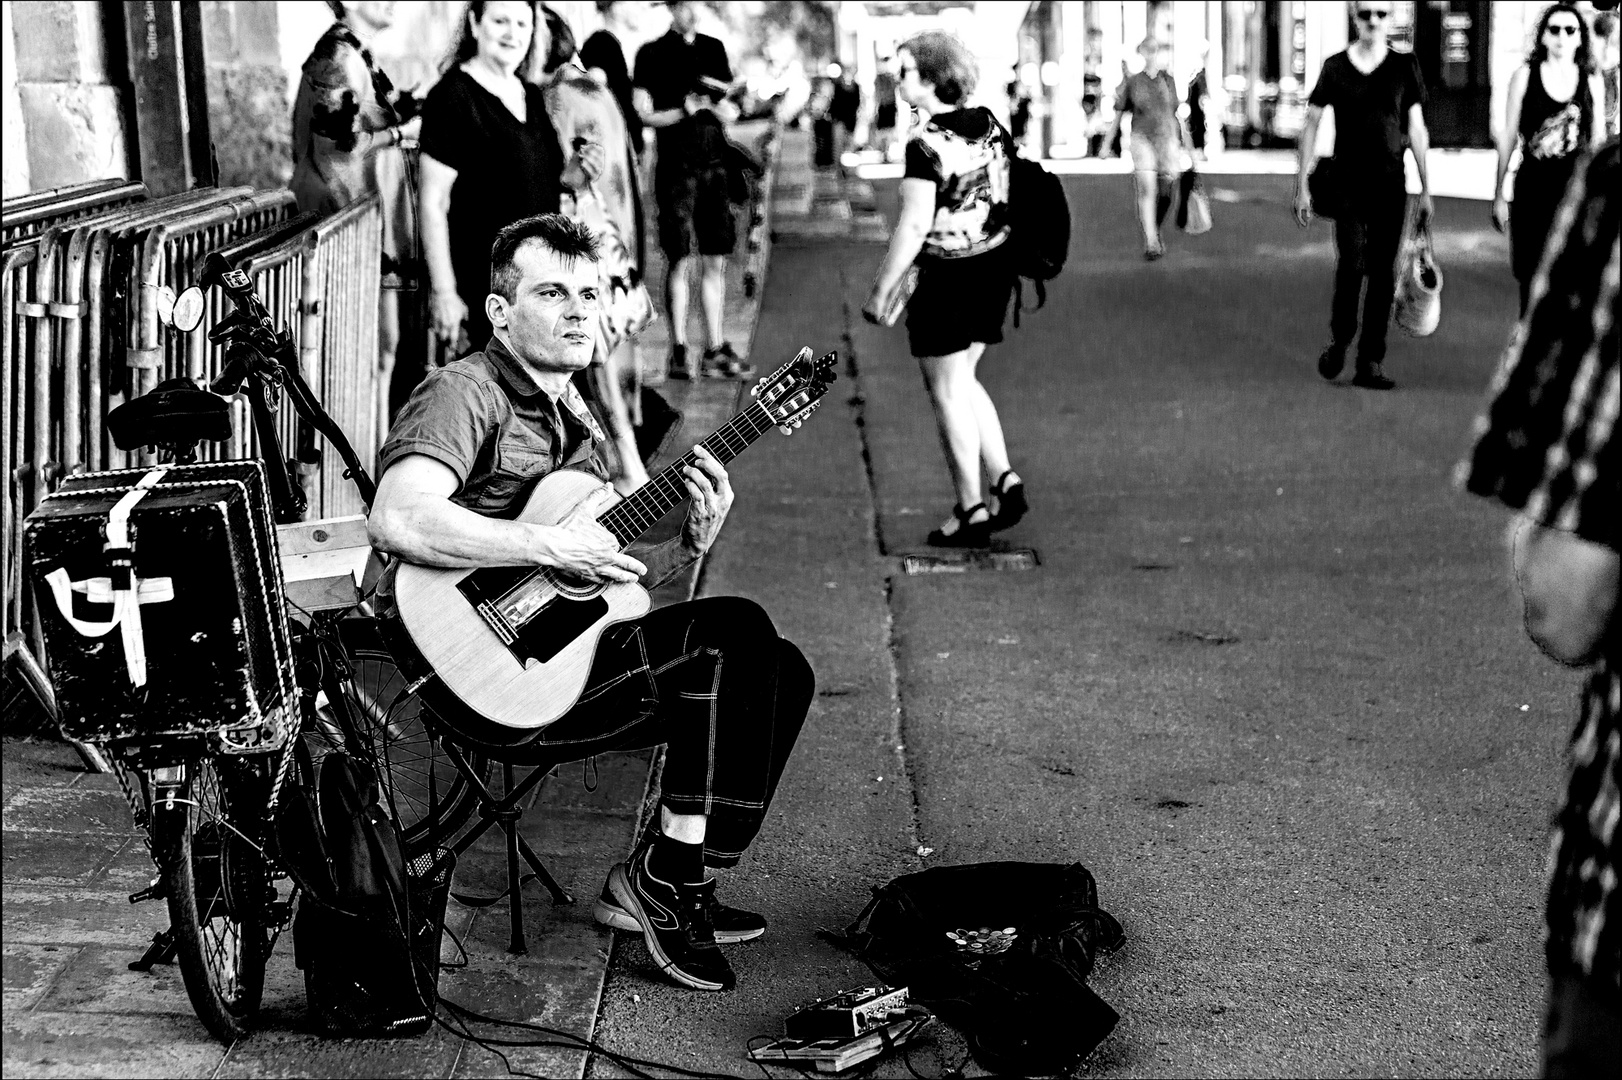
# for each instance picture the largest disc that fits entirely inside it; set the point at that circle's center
(793, 391)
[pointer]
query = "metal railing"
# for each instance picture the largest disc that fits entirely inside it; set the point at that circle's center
(27, 216)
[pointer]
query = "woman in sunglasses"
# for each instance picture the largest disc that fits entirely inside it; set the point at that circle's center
(1554, 113)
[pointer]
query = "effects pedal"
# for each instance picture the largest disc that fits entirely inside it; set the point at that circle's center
(847, 1015)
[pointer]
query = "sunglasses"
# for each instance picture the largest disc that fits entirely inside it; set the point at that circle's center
(1369, 15)
(1562, 28)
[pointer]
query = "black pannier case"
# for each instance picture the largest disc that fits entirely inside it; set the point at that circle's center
(217, 653)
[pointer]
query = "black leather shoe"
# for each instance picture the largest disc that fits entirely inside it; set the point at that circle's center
(1371, 377)
(675, 923)
(1331, 361)
(968, 534)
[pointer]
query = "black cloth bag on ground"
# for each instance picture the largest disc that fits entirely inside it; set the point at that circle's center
(999, 950)
(368, 927)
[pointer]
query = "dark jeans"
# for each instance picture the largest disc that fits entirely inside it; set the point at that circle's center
(1582, 1036)
(711, 679)
(1366, 241)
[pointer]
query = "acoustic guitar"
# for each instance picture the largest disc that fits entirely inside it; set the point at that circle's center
(514, 644)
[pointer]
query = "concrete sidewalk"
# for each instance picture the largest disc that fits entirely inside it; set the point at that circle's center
(71, 858)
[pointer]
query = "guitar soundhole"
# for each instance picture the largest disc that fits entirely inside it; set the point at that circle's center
(559, 621)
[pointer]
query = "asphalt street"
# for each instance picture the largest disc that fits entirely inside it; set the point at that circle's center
(1268, 681)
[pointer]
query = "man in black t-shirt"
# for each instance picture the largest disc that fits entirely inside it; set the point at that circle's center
(1378, 97)
(679, 89)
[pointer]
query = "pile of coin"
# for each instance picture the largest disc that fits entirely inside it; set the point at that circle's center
(984, 941)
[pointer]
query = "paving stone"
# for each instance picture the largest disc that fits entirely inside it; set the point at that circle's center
(555, 935)
(29, 971)
(79, 916)
(99, 980)
(69, 809)
(34, 858)
(290, 1053)
(46, 1044)
(37, 764)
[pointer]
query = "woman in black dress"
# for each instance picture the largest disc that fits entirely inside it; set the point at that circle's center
(489, 157)
(1555, 113)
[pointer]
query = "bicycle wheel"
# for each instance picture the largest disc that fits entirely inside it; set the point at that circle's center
(432, 798)
(208, 842)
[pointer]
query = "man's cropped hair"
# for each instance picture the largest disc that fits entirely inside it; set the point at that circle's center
(944, 60)
(568, 238)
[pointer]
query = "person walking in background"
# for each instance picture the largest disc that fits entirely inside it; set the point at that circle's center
(1378, 96)
(1548, 447)
(1608, 44)
(603, 198)
(1554, 111)
(1157, 139)
(882, 136)
(603, 56)
(696, 221)
(348, 126)
(954, 224)
(1199, 106)
(489, 157)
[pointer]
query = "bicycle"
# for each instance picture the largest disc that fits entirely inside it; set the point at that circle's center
(206, 804)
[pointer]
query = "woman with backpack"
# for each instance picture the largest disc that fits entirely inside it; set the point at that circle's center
(954, 227)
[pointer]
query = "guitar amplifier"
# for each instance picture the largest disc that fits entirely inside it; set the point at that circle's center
(160, 597)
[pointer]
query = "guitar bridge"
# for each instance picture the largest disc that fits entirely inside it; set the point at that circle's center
(493, 619)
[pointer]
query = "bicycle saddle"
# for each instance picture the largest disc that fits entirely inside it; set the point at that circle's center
(173, 413)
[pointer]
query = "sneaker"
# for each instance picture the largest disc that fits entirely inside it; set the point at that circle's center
(732, 925)
(1331, 361)
(680, 366)
(1372, 377)
(675, 923)
(724, 363)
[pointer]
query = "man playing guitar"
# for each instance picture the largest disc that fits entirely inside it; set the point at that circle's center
(711, 678)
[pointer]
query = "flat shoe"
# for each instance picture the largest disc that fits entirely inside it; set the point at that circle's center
(968, 534)
(1011, 504)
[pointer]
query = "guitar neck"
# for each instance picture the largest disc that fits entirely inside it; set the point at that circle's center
(636, 514)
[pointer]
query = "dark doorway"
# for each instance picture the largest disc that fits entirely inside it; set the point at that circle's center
(1452, 41)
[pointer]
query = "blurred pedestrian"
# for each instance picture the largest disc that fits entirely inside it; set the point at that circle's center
(349, 122)
(1157, 139)
(1199, 107)
(603, 56)
(1019, 108)
(676, 91)
(1608, 46)
(844, 110)
(1549, 448)
(954, 224)
(1378, 96)
(601, 194)
(1554, 111)
(490, 156)
(885, 112)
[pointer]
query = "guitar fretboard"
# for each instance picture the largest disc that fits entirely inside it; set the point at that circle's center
(637, 513)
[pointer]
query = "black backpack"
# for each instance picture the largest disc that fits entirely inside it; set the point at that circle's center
(1021, 997)
(1039, 224)
(368, 926)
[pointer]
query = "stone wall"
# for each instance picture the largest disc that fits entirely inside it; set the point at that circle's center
(68, 106)
(248, 116)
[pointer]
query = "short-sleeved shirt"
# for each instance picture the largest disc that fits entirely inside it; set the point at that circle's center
(669, 68)
(1548, 446)
(964, 153)
(602, 50)
(1371, 111)
(505, 170)
(484, 418)
(1152, 101)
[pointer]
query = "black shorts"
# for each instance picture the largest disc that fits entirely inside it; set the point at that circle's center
(695, 214)
(959, 302)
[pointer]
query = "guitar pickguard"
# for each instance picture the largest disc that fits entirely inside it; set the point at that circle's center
(558, 622)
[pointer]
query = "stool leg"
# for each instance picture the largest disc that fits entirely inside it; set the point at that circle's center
(515, 899)
(559, 896)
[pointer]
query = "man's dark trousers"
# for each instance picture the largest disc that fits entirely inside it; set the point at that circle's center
(1366, 240)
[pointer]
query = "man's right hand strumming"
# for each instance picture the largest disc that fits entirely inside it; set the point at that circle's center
(581, 547)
